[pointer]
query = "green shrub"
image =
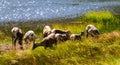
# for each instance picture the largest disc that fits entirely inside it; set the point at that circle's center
(102, 16)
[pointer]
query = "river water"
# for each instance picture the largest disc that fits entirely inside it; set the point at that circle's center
(18, 10)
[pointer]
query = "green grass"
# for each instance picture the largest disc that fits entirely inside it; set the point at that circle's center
(87, 51)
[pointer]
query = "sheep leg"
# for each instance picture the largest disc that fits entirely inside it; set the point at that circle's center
(87, 33)
(34, 46)
(92, 34)
(45, 47)
(26, 41)
(12, 39)
(96, 32)
(20, 42)
(14, 43)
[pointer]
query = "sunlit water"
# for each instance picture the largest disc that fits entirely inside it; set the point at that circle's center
(17, 10)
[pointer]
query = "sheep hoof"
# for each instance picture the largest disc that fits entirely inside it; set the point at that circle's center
(21, 48)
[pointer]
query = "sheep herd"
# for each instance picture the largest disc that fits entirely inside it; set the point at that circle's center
(50, 36)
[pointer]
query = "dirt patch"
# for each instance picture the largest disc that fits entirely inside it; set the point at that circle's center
(4, 48)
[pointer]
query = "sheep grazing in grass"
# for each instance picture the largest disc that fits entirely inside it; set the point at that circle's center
(92, 30)
(61, 37)
(17, 35)
(53, 38)
(29, 37)
(46, 31)
(76, 36)
(46, 42)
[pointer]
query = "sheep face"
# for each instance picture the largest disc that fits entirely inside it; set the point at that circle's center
(29, 36)
(46, 42)
(46, 31)
(82, 33)
(14, 31)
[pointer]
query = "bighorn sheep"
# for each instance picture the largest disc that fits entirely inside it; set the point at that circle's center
(17, 35)
(29, 36)
(61, 35)
(92, 30)
(76, 36)
(46, 42)
(46, 31)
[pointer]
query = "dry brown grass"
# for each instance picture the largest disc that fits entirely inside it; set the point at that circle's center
(110, 36)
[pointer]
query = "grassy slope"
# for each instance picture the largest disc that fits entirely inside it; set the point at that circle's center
(88, 51)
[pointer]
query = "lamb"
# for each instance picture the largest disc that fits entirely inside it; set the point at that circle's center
(76, 36)
(46, 42)
(29, 36)
(46, 31)
(16, 35)
(92, 30)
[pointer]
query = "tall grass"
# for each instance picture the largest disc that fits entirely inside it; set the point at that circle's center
(87, 51)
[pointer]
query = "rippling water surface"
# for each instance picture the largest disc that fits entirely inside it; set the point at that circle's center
(17, 10)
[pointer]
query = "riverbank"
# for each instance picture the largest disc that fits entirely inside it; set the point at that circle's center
(87, 51)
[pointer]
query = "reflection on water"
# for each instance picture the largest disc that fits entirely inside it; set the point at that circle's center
(15, 10)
